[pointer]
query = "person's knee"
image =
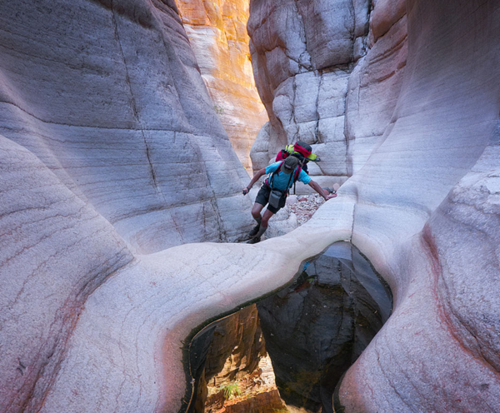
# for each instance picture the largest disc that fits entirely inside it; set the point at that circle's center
(256, 212)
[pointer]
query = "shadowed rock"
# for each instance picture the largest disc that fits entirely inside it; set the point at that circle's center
(317, 328)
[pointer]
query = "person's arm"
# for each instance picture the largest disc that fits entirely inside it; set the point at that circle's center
(255, 178)
(314, 185)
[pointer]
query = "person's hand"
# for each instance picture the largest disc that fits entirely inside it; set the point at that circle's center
(331, 196)
(245, 190)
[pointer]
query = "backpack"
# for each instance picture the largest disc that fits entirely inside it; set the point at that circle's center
(303, 152)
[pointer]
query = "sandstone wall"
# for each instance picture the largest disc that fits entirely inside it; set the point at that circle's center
(329, 73)
(109, 147)
(217, 33)
(423, 207)
(303, 54)
(110, 98)
(432, 169)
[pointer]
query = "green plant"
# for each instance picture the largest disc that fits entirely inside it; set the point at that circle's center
(219, 109)
(231, 390)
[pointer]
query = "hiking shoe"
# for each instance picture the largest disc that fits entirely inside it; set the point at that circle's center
(254, 240)
(254, 231)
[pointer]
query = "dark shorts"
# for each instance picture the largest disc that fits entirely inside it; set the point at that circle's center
(263, 199)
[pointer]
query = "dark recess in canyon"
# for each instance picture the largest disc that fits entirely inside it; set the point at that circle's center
(313, 331)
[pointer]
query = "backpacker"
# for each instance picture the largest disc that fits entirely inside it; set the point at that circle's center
(296, 174)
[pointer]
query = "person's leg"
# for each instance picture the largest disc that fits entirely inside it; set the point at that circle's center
(260, 201)
(256, 210)
(265, 218)
(264, 223)
(270, 211)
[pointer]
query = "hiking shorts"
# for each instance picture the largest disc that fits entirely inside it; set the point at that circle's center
(263, 199)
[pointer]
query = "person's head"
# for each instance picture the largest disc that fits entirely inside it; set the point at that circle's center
(289, 165)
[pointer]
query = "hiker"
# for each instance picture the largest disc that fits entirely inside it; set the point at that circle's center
(275, 190)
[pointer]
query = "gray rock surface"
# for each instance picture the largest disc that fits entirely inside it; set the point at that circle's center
(93, 319)
(302, 54)
(125, 102)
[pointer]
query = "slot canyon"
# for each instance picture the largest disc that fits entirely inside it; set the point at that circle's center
(128, 130)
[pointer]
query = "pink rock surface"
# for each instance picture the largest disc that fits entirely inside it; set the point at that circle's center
(95, 306)
(418, 219)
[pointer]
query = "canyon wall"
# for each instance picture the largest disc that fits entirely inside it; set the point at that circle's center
(109, 97)
(104, 119)
(421, 113)
(218, 35)
(110, 147)
(303, 53)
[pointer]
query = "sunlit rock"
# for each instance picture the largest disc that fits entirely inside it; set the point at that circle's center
(217, 33)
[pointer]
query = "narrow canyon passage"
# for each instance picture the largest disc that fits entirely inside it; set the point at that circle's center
(125, 132)
(312, 331)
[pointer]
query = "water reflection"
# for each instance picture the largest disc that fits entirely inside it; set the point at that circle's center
(312, 330)
(317, 328)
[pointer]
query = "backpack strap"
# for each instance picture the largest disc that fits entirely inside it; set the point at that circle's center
(270, 179)
(298, 170)
(296, 177)
(293, 177)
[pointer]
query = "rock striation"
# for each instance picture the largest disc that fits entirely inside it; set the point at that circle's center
(302, 54)
(103, 109)
(122, 117)
(217, 33)
(109, 148)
